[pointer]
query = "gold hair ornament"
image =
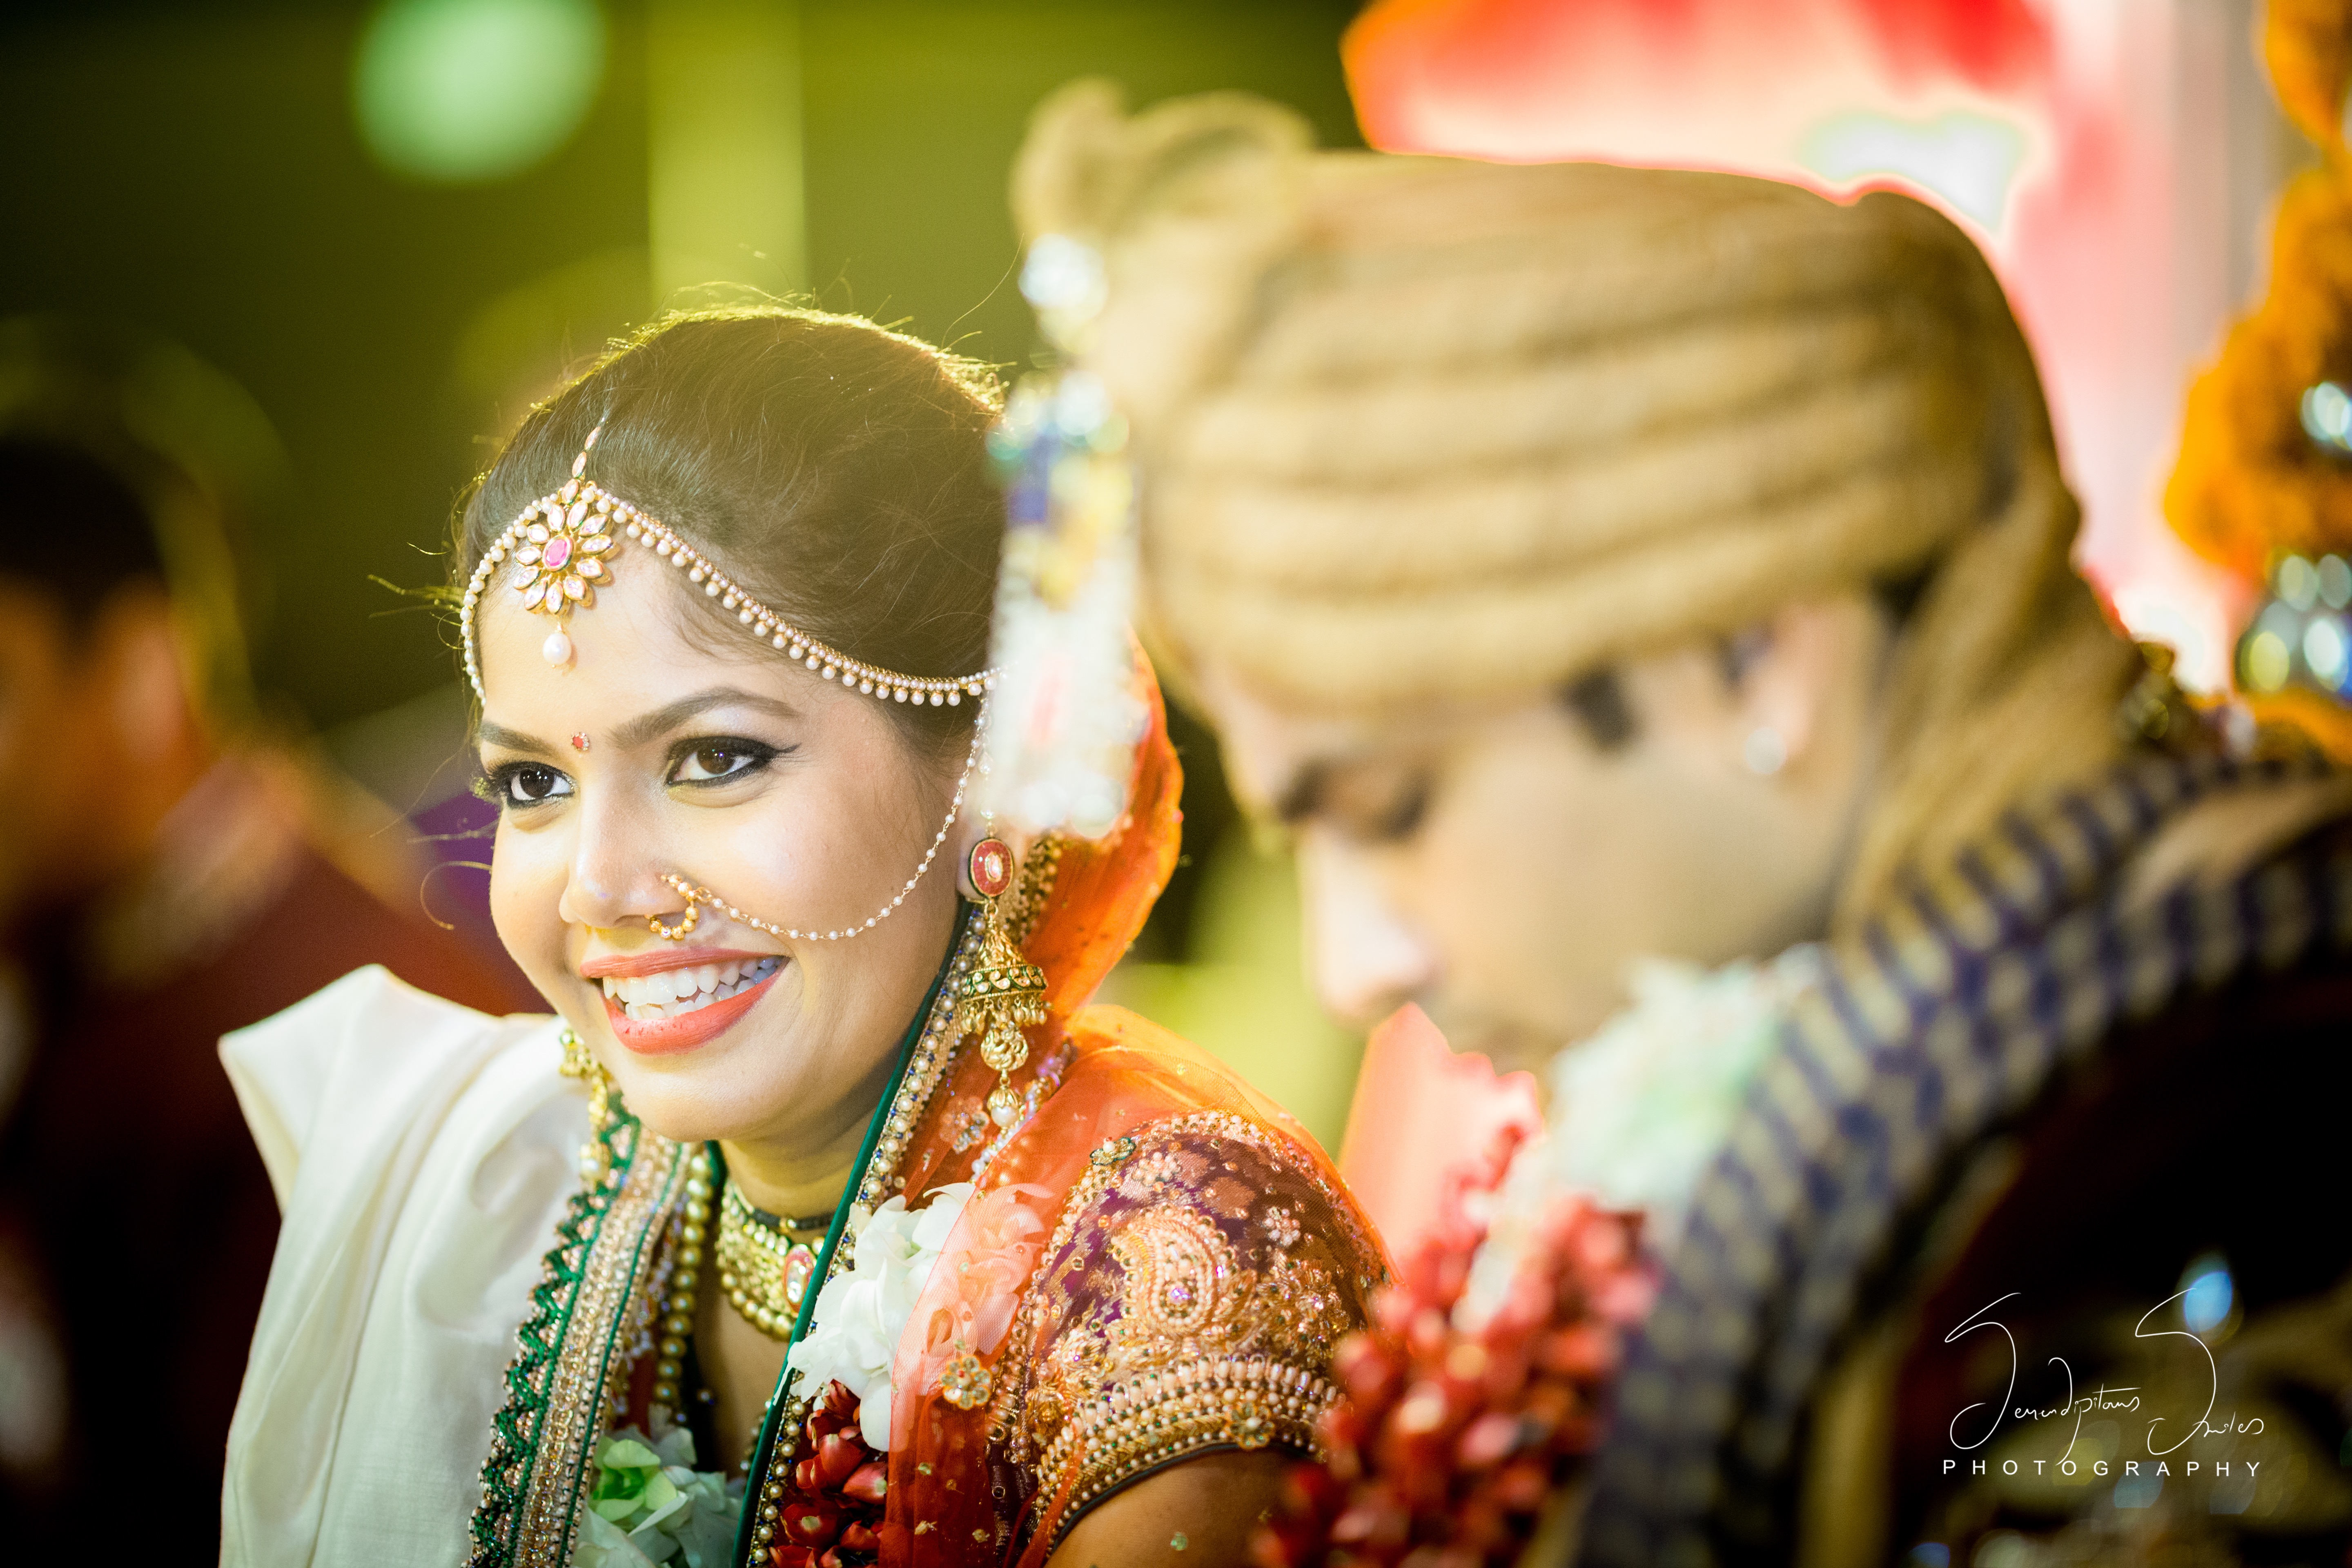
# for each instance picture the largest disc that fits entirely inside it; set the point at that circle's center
(562, 546)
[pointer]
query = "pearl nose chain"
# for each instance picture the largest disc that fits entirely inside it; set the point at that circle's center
(698, 896)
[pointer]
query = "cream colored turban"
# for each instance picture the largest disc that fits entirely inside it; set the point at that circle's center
(1419, 429)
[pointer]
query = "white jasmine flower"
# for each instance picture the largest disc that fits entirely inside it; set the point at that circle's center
(861, 1312)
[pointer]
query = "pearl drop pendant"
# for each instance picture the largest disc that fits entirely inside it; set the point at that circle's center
(556, 649)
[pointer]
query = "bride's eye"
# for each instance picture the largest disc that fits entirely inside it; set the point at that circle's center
(708, 762)
(524, 785)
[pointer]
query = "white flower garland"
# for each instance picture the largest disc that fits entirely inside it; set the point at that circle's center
(1639, 1108)
(861, 1311)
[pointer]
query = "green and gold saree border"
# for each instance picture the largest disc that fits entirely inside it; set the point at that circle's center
(592, 1300)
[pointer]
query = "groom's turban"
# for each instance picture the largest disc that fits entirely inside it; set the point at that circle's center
(1420, 429)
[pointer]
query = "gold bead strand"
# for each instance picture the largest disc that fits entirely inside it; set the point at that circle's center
(677, 1323)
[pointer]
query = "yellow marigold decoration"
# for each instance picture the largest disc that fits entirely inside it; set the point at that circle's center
(2307, 44)
(2263, 481)
(2251, 480)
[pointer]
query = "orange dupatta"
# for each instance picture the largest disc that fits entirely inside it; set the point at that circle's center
(953, 1496)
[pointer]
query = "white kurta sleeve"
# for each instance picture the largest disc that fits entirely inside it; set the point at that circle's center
(422, 1154)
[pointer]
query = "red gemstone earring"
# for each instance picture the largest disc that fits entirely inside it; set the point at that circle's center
(1003, 992)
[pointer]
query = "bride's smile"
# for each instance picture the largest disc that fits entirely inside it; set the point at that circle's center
(642, 994)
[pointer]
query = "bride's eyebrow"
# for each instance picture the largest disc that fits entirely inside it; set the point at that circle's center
(507, 740)
(651, 726)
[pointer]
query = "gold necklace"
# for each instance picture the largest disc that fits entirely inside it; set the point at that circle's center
(764, 1272)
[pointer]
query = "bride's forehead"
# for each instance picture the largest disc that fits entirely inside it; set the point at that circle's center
(639, 639)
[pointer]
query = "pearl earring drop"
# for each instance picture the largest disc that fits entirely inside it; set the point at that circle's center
(1764, 752)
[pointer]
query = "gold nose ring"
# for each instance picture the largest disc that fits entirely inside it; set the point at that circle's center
(695, 899)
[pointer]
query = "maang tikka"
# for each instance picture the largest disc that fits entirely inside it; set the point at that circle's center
(561, 548)
(1003, 992)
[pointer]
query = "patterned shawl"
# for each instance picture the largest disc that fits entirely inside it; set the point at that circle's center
(1944, 1019)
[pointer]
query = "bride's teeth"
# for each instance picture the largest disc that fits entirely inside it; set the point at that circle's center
(674, 993)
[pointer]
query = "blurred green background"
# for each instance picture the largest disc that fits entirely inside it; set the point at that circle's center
(396, 224)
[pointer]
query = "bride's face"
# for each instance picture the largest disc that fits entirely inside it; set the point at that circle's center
(792, 798)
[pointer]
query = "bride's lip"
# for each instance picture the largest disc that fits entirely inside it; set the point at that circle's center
(656, 961)
(666, 1036)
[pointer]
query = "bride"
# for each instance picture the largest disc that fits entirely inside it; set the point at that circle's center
(823, 1223)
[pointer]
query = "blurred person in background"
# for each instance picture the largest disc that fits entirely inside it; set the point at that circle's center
(1650, 586)
(165, 875)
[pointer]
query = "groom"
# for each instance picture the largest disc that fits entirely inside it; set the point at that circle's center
(1593, 565)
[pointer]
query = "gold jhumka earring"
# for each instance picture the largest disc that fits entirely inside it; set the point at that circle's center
(1003, 992)
(579, 1062)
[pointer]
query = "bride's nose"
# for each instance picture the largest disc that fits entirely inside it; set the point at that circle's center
(615, 876)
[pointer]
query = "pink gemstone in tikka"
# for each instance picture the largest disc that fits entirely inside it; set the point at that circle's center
(558, 552)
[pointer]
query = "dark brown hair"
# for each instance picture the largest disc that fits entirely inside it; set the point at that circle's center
(837, 471)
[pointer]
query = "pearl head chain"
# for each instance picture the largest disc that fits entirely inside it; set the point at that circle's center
(561, 545)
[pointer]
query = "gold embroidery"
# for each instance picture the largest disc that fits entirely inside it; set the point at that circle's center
(967, 1383)
(1183, 1284)
(1205, 1403)
(1200, 1273)
(1231, 1197)
(583, 1382)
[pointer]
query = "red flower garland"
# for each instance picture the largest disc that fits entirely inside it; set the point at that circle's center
(1448, 1445)
(830, 1515)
